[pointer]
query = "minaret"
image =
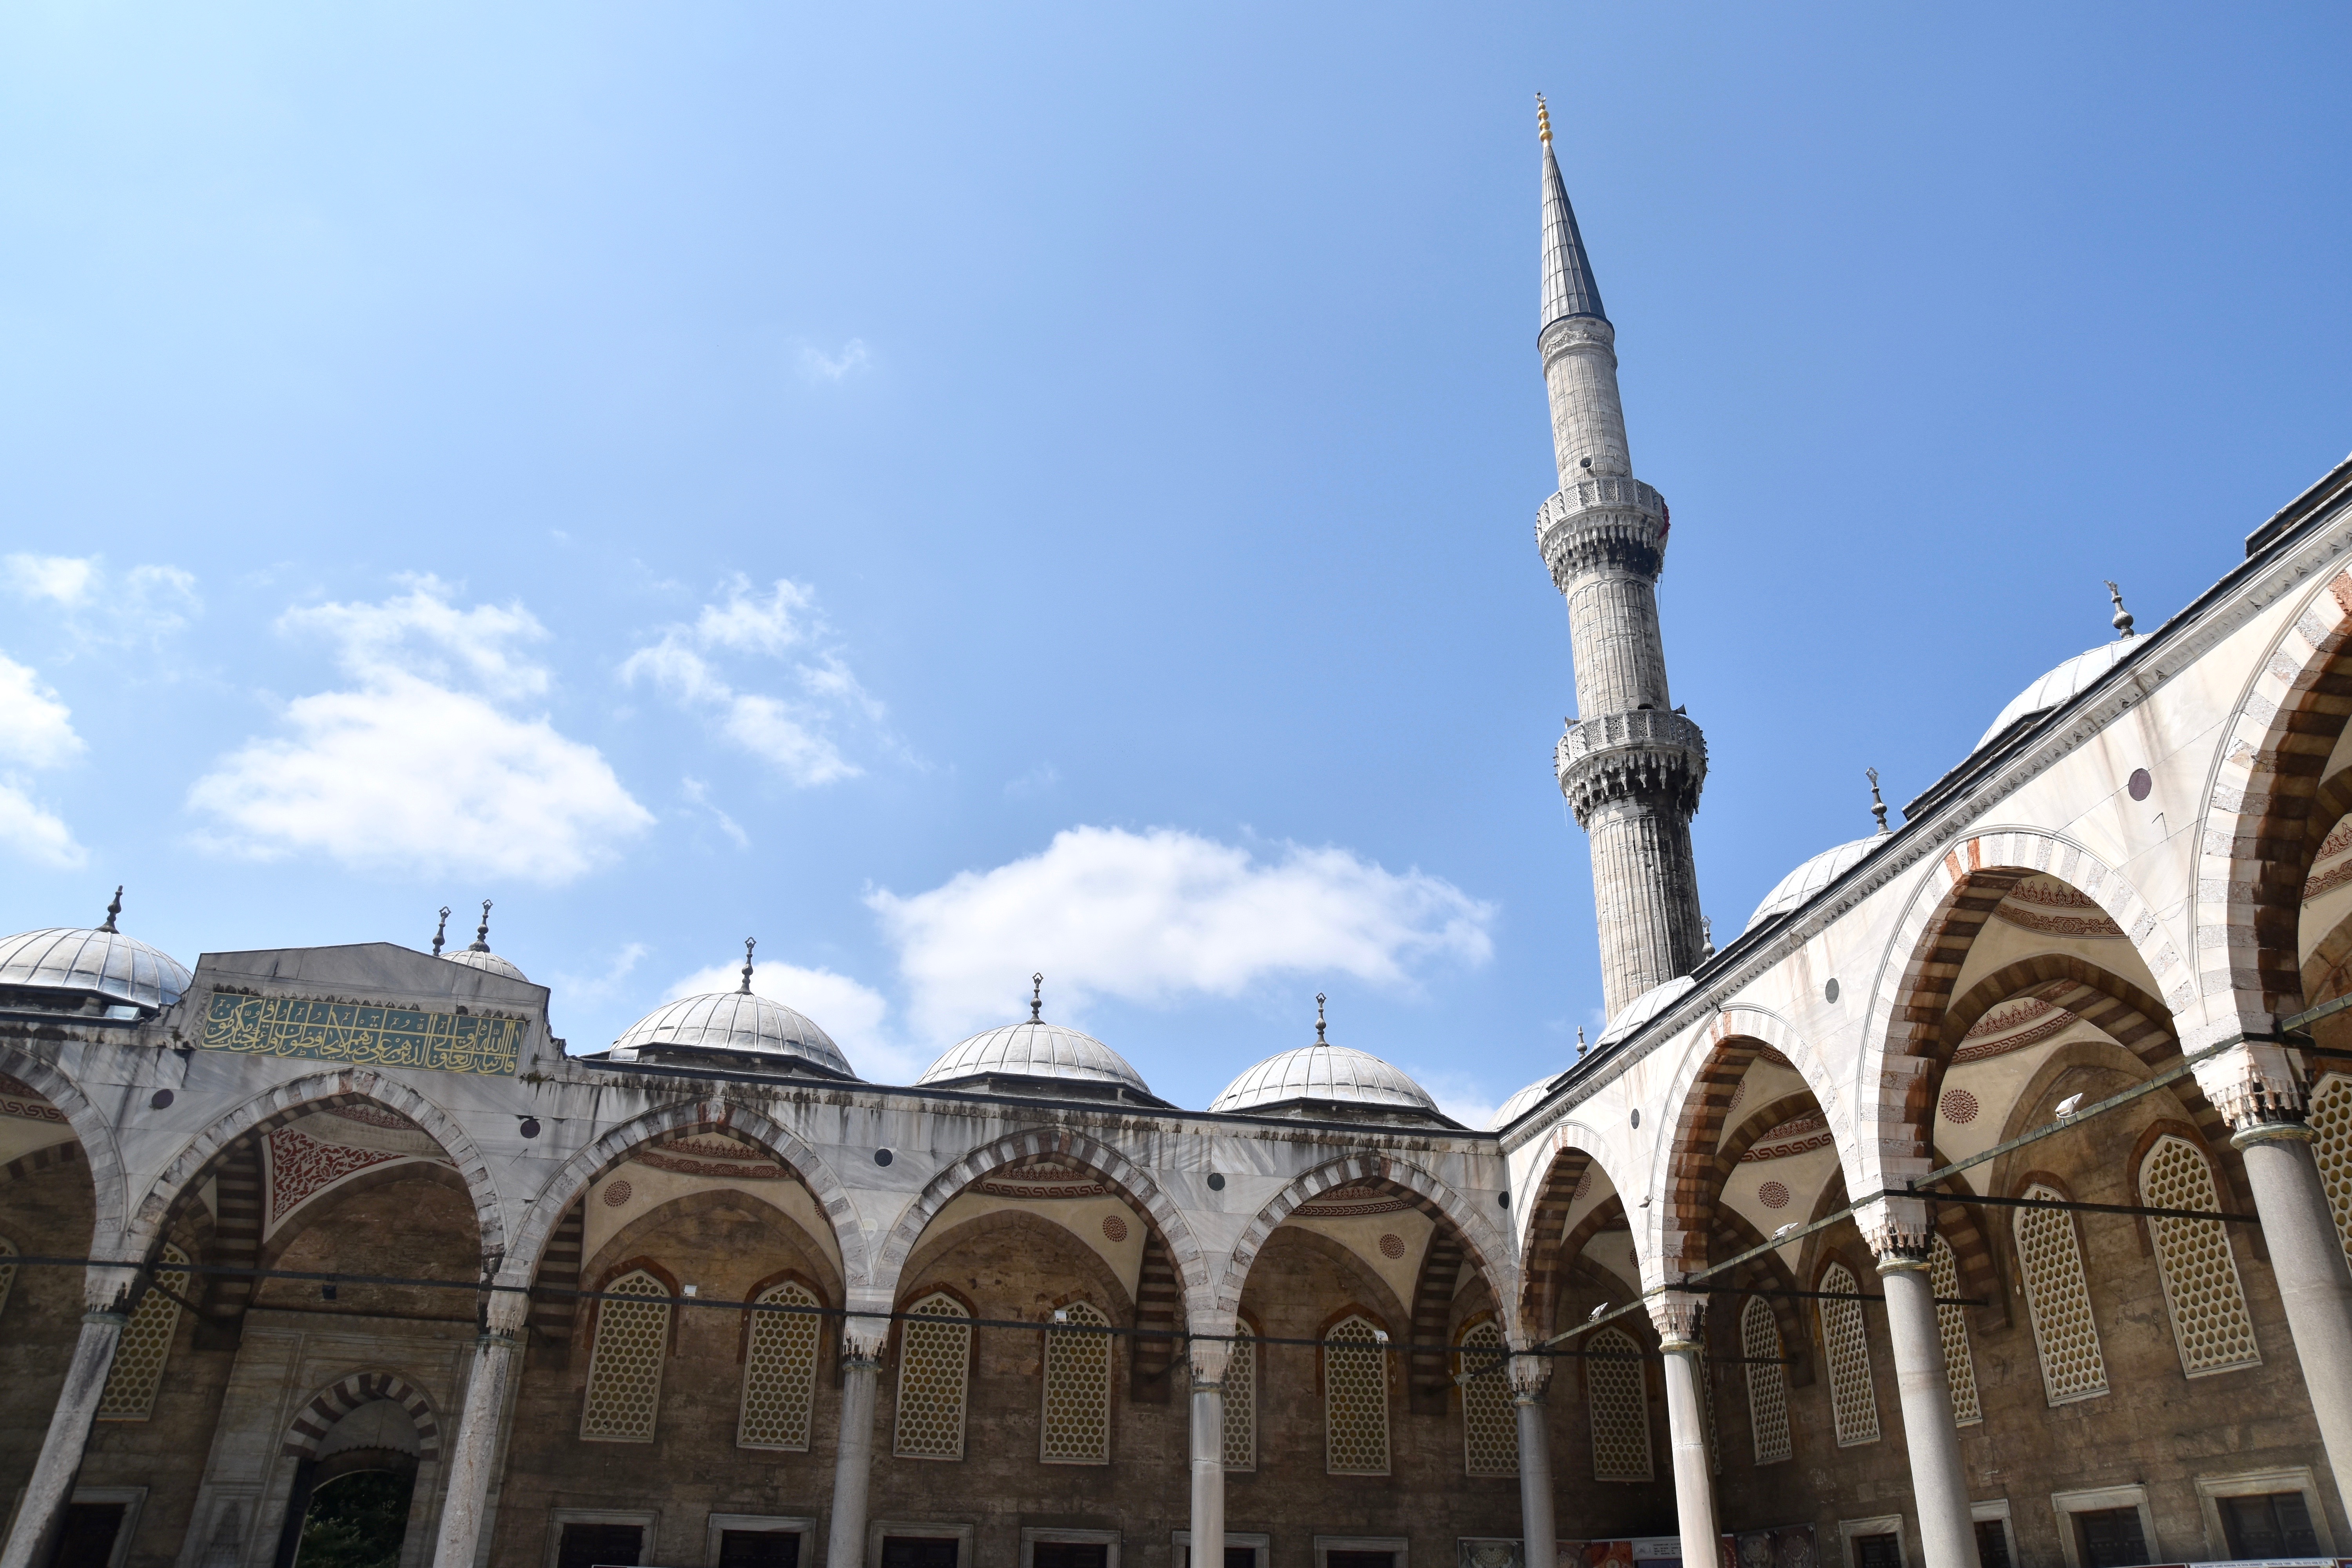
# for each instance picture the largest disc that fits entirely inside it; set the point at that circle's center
(1630, 764)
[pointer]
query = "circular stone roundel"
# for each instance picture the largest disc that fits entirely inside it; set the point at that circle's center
(618, 1193)
(1773, 1195)
(1391, 1246)
(1960, 1106)
(1114, 1228)
(2140, 783)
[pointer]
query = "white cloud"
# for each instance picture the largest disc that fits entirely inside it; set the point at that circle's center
(791, 734)
(410, 772)
(854, 1015)
(698, 793)
(36, 729)
(818, 365)
(61, 579)
(39, 835)
(1153, 917)
(146, 602)
(1458, 1095)
(1039, 780)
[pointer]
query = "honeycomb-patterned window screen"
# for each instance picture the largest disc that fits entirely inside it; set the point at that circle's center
(934, 1367)
(624, 1373)
(780, 1372)
(1241, 1403)
(1853, 1400)
(146, 1346)
(1768, 1381)
(1620, 1401)
(2331, 1126)
(7, 1271)
(2060, 1299)
(1959, 1363)
(1078, 1391)
(1490, 1427)
(2210, 1321)
(1355, 1400)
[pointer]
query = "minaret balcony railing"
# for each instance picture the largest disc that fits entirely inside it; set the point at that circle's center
(1645, 754)
(1602, 522)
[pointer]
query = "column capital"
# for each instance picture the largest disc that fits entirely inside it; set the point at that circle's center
(1529, 1376)
(1678, 1315)
(1208, 1359)
(1898, 1231)
(2254, 1084)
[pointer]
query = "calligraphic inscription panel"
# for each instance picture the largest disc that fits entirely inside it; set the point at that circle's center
(362, 1033)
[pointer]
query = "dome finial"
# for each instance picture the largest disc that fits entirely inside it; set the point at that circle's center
(1319, 1020)
(441, 931)
(1877, 804)
(1543, 119)
(482, 933)
(113, 910)
(1579, 1042)
(1037, 997)
(2123, 621)
(748, 943)
(1706, 938)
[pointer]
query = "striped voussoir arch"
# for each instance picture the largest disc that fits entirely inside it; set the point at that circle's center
(339, 1400)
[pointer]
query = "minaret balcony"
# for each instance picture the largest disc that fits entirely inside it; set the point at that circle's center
(1645, 755)
(1604, 521)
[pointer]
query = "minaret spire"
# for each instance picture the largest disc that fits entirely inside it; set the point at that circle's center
(1631, 764)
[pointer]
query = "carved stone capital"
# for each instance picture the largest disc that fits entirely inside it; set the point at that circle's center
(1647, 754)
(1208, 1359)
(2253, 1085)
(1529, 1376)
(1898, 1231)
(1677, 1316)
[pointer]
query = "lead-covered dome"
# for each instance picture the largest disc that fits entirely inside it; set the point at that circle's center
(1809, 878)
(2075, 676)
(73, 965)
(1522, 1102)
(1033, 1049)
(482, 958)
(736, 1022)
(1643, 1008)
(1325, 1077)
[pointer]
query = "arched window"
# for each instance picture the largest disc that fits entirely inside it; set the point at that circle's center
(1768, 1381)
(2331, 1126)
(1959, 1365)
(1240, 1400)
(934, 1366)
(780, 1372)
(1356, 1399)
(7, 1269)
(2210, 1321)
(2060, 1299)
(146, 1346)
(1490, 1427)
(1853, 1400)
(1619, 1398)
(1076, 1428)
(624, 1373)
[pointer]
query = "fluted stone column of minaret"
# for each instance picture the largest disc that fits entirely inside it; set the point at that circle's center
(1630, 764)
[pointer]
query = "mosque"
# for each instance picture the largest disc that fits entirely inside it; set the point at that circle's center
(1983, 1202)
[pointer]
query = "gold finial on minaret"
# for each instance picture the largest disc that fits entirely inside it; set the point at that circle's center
(1543, 120)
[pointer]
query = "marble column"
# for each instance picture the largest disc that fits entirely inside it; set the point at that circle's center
(1208, 1359)
(1538, 1532)
(2257, 1087)
(472, 1455)
(852, 1462)
(42, 1514)
(1899, 1235)
(1677, 1316)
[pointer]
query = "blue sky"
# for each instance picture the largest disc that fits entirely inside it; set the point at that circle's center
(952, 493)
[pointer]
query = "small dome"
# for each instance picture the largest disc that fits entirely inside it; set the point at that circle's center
(1812, 877)
(1643, 1008)
(83, 963)
(2077, 674)
(1325, 1074)
(482, 958)
(1519, 1104)
(733, 1021)
(1033, 1049)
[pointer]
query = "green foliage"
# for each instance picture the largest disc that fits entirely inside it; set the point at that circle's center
(356, 1522)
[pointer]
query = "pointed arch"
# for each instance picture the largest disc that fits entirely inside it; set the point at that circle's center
(345, 1395)
(109, 1183)
(1911, 991)
(1549, 1248)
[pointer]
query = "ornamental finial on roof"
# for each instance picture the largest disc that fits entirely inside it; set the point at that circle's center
(481, 942)
(1877, 804)
(1543, 119)
(2123, 621)
(1037, 997)
(1319, 1020)
(1579, 1042)
(748, 943)
(112, 910)
(441, 931)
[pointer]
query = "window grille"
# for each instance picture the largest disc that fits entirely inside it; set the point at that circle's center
(2060, 1299)
(1768, 1381)
(1854, 1400)
(1355, 1400)
(1078, 1391)
(624, 1373)
(7, 1269)
(780, 1372)
(1241, 1402)
(2331, 1126)
(1620, 1401)
(1959, 1363)
(2210, 1321)
(146, 1346)
(1490, 1427)
(934, 1366)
